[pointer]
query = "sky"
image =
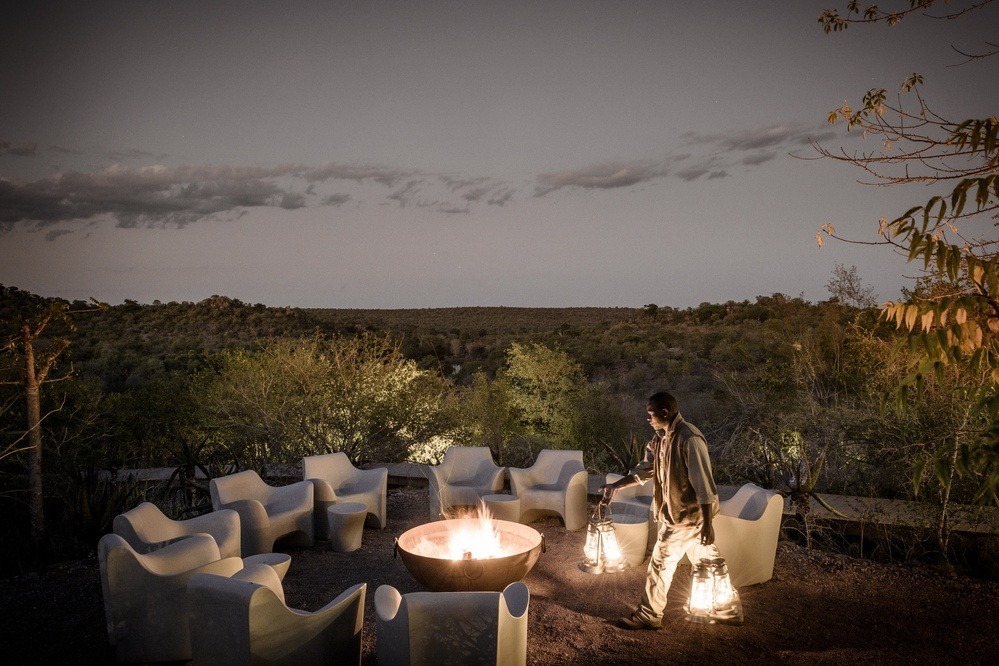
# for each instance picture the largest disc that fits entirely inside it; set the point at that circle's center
(416, 154)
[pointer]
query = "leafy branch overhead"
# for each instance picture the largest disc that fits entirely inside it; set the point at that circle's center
(952, 316)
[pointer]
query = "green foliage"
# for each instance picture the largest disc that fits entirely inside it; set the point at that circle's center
(488, 415)
(546, 386)
(195, 465)
(953, 327)
(314, 395)
(91, 500)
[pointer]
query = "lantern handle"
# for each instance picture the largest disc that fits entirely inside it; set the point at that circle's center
(598, 511)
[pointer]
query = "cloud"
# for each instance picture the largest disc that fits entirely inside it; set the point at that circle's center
(691, 174)
(454, 183)
(755, 146)
(145, 196)
(161, 195)
(758, 158)
(607, 175)
(134, 154)
(338, 199)
(26, 149)
(292, 201)
(56, 233)
(331, 171)
(65, 151)
(501, 197)
(406, 195)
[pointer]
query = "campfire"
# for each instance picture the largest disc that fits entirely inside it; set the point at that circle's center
(473, 553)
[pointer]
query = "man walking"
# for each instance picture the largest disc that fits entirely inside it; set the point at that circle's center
(684, 502)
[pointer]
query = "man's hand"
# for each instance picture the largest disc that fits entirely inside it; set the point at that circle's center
(607, 490)
(707, 534)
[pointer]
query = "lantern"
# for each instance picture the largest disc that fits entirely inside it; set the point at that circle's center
(712, 597)
(701, 594)
(601, 551)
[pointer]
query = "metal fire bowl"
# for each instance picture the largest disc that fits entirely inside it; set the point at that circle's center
(525, 544)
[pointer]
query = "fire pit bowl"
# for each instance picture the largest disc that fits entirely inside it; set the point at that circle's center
(425, 552)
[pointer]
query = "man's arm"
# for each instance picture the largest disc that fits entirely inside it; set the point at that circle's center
(643, 470)
(608, 489)
(707, 529)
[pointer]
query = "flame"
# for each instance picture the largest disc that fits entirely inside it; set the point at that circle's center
(476, 540)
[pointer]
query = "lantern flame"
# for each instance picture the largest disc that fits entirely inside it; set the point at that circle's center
(712, 597)
(601, 550)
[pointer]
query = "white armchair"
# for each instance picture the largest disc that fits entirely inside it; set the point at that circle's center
(335, 479)
(746, 531)
(266, 513)
(145, 595)
(244, 619)
(452, 627)
(463, 477)
(554, 484)
(146, 528)
(635, 500)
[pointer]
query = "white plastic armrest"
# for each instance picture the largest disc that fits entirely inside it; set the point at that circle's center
(387, 602)
(322, 491)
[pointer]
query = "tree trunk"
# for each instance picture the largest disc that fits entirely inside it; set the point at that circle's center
(34, 410)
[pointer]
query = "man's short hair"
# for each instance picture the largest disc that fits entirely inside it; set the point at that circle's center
(664, 404)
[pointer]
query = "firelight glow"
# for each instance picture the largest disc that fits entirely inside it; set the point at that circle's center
(477, 539)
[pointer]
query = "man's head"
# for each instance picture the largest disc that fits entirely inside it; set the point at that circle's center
(661, 409)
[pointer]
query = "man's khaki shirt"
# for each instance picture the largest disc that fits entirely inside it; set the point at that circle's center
(677, 461)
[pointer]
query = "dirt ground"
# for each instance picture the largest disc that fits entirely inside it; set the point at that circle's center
(817, 609)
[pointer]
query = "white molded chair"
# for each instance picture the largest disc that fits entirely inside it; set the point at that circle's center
(146, 528)
(266, 513)
(244, 619)
(635, 500)
(463, 477)
(746, 531)
(336, 480)
(554, 484)
(145, 595)
(461, 628)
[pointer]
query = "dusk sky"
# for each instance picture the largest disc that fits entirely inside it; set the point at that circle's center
(411, 154)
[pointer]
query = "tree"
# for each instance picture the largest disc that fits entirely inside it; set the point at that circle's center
(930, 434)
(316, 395)
(952, 235)
(547, 386)
(38, 357)
(847, 287)
(489, 416)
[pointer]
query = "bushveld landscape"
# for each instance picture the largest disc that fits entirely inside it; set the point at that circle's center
(791, 395)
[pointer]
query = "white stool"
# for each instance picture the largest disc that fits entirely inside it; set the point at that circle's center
(346, 523)
(503, 507)
(632, 530)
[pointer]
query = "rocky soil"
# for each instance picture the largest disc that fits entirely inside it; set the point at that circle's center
(817, 609)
